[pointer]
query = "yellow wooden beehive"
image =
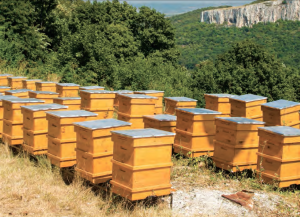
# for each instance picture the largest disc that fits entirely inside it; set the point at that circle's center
(67, 89)
(16, 82)
(21, 93)
(2, 111)
(219, 102)
(30, 84)
(172, 103)
(155, 93)
(47, 96)
(161, 122)
(73, 103)
(4, 80)
(116, 101)
(46, 86)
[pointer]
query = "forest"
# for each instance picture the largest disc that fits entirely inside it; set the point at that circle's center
(113, 44)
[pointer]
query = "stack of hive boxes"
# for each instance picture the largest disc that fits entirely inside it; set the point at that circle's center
(141, 163)
(35, 127)
(62, 137)
(195, 132)
(172, 103)
(47, 96)
(278, 155)
(4, 88)
(73, 103)
(30, 84)
(15, 82)
(91, 88)
(155, 93)
(67, 89)
(118, 92)
(98, 101)
(236, 143)
(132, 108)
(248, 106)
(2, 111)
(161, 122)
(94, 148)
(13, 119)
(219, 102)
(45, 86)
(4, 79)
(21, 93)
(281, 113)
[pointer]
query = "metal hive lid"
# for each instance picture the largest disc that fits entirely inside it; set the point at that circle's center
(4, 87)
(181, 99)
(23, 100)
(163, 117)
(200, 111)
(68, 98)
(33, 80)
(102, 124)
(44, 92)
(124, 91)
(143, 133)
(44, 107)
(98, 91)
(18, 91)
(281, 104)
(250, 98)
(17, 77)
(2, 75)
(1, 94)
(68, 84)
(221, 95)
(139, 96)
(282, 130)
(149, 91)
(8, 97)
(241, 120)
(90, 87)
(46, 82)
(73, 113)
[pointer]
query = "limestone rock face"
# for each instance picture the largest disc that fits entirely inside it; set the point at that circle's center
(269, 11)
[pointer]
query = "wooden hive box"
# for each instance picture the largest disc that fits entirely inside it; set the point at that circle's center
(35, 143)
(91, 88)
(155, 93)
(141, 163)
(248, 106)
(4, 88)
(279, 155)
(281, 113)
(21, 93)
(73, 103)
(97, 99)
(94, 148)
(30, 84)
(4, 80)
(16, 82)
(161, 122)
(2, 111)
(172, 103)
(47, 96)
(45, 86)
(116, 101)
(236, 143)
(67, 89)
(218, 102)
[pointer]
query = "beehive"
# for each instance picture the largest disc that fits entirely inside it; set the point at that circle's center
(62, 137)
(4, 80)
(67, 89)
(2, 111)
(45, 86)
(279, 155)
(195, 131)
(21, 93)
(116, 102)
(281, 113)
(4, 88)
(30, 84)
(161, 122)
(94, 148)
(218, 102)
(97, 99)
(91, 88)
(172, 103)
(73, 103)
(102, 114)
(141, 163)
(236, 143)
(155, 93)
(47, 96)
(248, 106)
(16, 82)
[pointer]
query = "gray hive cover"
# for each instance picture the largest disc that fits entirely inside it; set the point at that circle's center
(222, 95)
(44, 92)
(68, 98)
(250, 98)
(200, 111)
(34, 80)
(102, 124)
(281, 104)
(18, 91)
(241, 120)
(181, 99)
(124, 91)
(1, 94)
(1, 75)
(45, 107)
(4, 87)
(8, 97)
(98, 91)
(73, 113)
(46, 82)
(17, 77)
(282, 130)
(149, 91)
(68, 84)
(90, 87)
(162, 117)
(143, 133)
(139, 96)
(23, 100)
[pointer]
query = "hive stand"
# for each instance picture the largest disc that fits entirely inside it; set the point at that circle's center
(30, 84)
(94, 148)
(2, 111)
(132, 108)
(116, 102)
(248, 106)
(155, 93)
(172, 103)
(281, 113)
(35, 127)
(142, 163)
(73, 103)
(161, 122)
(13, 119)
(195, 131)
(98, 101)
(46, 86)
(47, 96)
(91, 88)
(236, 143)
(279, 155)
(219, 102)
(15, 82)
(67, 89)
(62, 137)
(21, 93)
(4, 88)
(4, 80)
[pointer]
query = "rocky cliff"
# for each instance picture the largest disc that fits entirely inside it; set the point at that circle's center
(247, 15)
